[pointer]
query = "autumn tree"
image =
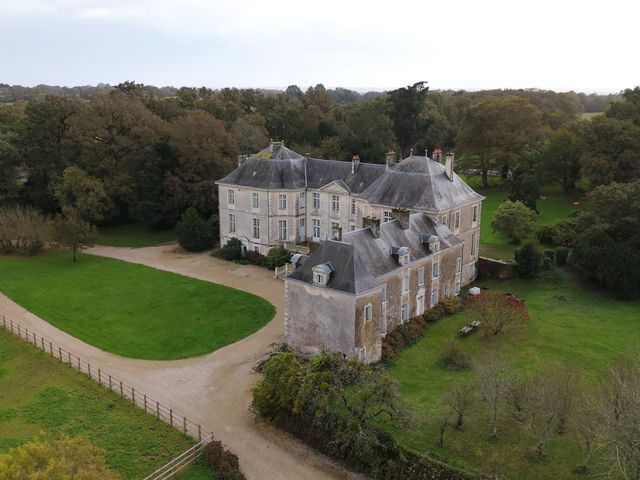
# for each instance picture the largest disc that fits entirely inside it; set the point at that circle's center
(497, 311)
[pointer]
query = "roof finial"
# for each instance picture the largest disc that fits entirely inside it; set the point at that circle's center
(426, 153)
(411, 152)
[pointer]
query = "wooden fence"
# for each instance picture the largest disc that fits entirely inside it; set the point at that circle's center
(139, 399)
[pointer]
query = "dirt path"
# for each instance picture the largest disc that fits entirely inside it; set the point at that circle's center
(214, 389)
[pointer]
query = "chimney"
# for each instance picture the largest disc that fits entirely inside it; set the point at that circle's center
(273, 145)
(242, 158)
(448, 166)
(336, 233)
(437, 155)
(402, 215)
(373, 224)
(355, 163)
(390, 158)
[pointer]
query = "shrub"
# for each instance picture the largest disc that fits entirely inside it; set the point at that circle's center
(452, 304)
(22, 231)
(194, 232)
(223, 462)
(514, 220)
(562, 255)
(402, 336)
(562, 232)
(277, 257)
(529, 260)
(256, 258)
(435, 313)
(453, 356)
(550, 253)
(232, 250)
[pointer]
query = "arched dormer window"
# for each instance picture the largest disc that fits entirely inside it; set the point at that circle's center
(321, 274)
(401, 254)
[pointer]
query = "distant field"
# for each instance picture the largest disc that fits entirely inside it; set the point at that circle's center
(134, 235)
(40, 395)
(589, 115)
(129, 309)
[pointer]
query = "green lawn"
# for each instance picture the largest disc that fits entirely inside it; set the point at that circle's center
(555, 204)
(129, 309)
(570, 324)
(134, 235)
(39, 395)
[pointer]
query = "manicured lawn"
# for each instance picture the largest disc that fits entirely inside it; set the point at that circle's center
(39, 395)
(555, 204)
(134, 235)
(571, 324)
(129, 309)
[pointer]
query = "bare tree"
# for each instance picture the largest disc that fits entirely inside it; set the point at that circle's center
(459, 398)
(493, 385)
(443, 424)
(565, 385)
(22, 230)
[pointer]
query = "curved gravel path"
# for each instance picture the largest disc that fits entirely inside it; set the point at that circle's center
(213, 390)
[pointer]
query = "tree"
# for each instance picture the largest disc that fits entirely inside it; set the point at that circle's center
(514, 220)
(194, 232)
(495, 134)
(497, 311)
(493, 379)
(84, 193)
(250, 133)
(277, 257)
(232, 250)
(22, 230)
(70, 230)
(406, 109)
(72, 458)
(559, 160)
(367, 131)
(524, 187)
(459, 398)
(529, 259)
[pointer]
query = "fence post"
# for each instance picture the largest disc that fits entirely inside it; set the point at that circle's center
(121, 390)
(145, 403)
(99, 377)
(133, 395)
(35, 342)
(11, 325)
(171, 417)
(199, 433)
(89, 369)
(60, 353)
(42, 343)
(110, 383)
(69, 356)
(79, 365)
(158, 409)
(51, 349)
(184, 424)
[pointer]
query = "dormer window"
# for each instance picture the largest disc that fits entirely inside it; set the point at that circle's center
(432, 242)
(402, 255)
(321, 274)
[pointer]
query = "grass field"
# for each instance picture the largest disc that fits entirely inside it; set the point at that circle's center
(134, 235)
(129, 309)
(570, 324)
(39, 395)
(555, 204)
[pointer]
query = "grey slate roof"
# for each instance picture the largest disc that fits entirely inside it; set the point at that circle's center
(360, 257)
(419, 183)
(321, 172)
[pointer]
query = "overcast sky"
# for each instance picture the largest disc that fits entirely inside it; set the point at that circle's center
(561, 45)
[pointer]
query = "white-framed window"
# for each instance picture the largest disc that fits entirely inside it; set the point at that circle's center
(421, 276)
(405, 280)
(458, 265)
(435, 246)
(231, 197)
(303, 200)
(444, 220)
(255, 200)
(315, 198)
(472, 270)
(367, 313)
(420, 305)
(405, 259)
(445, 291)
(256, 228)
(435, 270)
(282, 202)
(335, 203)
(353, 207)
(404, 313)
(282, 229)
(456, 222)
(434, 296)
(384, 293)
(457, 287)
(320, 279)
(473, 245)
(316, 228)
(386, 216)
(232, 223)
(474, 217)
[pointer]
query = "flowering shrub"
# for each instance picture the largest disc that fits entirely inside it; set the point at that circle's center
(223, 462)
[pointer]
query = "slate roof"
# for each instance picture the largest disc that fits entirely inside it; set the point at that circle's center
(321, 172)
(419, 183)
(360, 257)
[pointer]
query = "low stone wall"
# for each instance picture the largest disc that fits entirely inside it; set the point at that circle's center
(488, 268)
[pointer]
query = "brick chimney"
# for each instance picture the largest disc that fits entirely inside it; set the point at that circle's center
(402, 215)
(373, 224)
(448, 166)
(355, 163)
(390, 158)
(242, 158)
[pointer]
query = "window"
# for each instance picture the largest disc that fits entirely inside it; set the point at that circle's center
(434, 296)
(232, 223)
(353, 207)
(445, 293)
(386, 217)
(255, 200)
(256, 249)
(421, 276)
(457, 286)
(404, 260)
(335, 203)
(456, 223)
(420, 305)
(303, 200)
(282, 202)
(435, 247)
(383, 319)
(458, 265)
(404, 313)
(444, 220)
(319, 279)
(405, 280)
(367, 313)
(472, 270)
(282, 229)
(384, 293)
(316, 228)
(316, 200)
(435, 270)
(473, 245)
(231, 197)
(475, 214)
(256, 228)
